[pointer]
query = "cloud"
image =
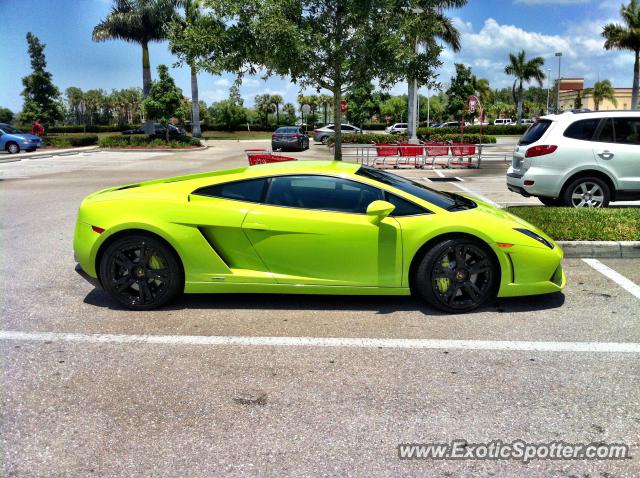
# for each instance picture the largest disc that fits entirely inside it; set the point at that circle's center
(222, 82)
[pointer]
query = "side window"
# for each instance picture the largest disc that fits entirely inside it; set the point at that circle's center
(251, 190)
(606, 132)
(404, 207)
(583, 130)
(627, 130)
(321, 192)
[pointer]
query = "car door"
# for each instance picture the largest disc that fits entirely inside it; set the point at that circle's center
(313, 229)
(618, 150)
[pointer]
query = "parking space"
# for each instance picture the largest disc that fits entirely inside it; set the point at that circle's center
(263, 384)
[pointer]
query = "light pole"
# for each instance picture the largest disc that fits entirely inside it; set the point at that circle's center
(428, 107)
(548, 87)
(559, 55)
(412, 123)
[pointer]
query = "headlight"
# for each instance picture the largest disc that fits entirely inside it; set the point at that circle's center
(27, 140)
(535, 236)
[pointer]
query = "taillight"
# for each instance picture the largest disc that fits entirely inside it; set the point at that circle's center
(541, 150)
(274, 136)
(296, 136)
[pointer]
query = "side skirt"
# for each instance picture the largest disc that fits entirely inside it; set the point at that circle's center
(249, 288)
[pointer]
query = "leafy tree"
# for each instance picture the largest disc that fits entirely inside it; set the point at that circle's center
(94, 101)
(396, 106)
(462, 86)
(75, 103)
(228, 115)
(524, 71)
(290, 112)
(263, 106)
(627, 37)
(325, 101)
(6, 115)
(41, 96)
(164, 100)
(360, 103)
(277, 100)
(602, 90)
(577, 103)
(482, 89)
(141, 22)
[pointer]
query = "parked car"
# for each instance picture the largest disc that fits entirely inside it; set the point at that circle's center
(310, 227)
(527, 121)
(503, 122)
(159, 131)
(579, 159)
(288, 138)
(397, 128)
(13, 141)
(322, 135)
(453, 124)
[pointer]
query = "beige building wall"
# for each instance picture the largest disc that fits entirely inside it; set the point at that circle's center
(623, 97)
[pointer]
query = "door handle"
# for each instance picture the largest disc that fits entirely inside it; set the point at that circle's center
(256, 226)
(606, 154)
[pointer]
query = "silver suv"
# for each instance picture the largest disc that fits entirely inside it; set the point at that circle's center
(579, 159)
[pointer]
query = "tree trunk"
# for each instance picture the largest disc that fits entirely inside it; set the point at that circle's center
(337, 123)
(325, 114)
(195, 106)
(520, 103)
(636, 82)
(277, 115)
(146, 83)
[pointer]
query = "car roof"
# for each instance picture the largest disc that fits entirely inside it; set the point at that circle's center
(571, 116)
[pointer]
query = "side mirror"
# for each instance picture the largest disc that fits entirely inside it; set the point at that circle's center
(378, 210)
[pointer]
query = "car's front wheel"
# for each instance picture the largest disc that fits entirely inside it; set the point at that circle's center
(13, 148)
(587, 192)
(140, 272)
(457, 275)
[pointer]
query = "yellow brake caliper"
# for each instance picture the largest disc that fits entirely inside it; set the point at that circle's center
(443, 282)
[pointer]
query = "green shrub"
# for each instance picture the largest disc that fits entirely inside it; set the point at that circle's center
(396, 138)
(507, 130)
(459, 138)
(62, 141)
(126, 141)
(92, 128)
(369, 138)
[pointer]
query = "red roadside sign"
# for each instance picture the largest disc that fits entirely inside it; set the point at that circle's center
(343, 105)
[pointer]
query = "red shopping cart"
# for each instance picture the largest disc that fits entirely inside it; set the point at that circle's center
(262, 156)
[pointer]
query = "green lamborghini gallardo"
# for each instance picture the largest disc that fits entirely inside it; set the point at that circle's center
(308, 227)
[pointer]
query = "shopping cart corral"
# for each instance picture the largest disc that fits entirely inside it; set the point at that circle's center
(429, 155)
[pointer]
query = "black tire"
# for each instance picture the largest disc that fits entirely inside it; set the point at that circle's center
(141, 272)
(443, 284)
(550, 202)
(587, 192)
(12, 147)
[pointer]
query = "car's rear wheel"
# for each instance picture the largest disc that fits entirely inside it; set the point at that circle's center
(587, 192)
(140, 272)
(551, 202)
(13, 148)
(325, 139)
(457, 275)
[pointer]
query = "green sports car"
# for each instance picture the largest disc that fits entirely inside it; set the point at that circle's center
(308, 227)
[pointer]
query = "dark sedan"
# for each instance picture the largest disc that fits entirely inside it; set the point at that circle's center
(289, 138)
(159, 131)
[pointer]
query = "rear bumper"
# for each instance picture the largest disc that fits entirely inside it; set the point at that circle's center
(286, 144)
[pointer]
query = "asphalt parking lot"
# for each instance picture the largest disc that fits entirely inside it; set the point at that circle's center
(252, 385)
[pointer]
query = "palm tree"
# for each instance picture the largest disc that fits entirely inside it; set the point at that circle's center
(137, 21)
(602, 90)
(325, 101)
(525, 71)
(264, 106)
(192, 15)
(276, 100)
(627, 37)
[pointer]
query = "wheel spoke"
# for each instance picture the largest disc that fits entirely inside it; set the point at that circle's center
(158, 274)
(123, 283)
(144, 292)
(583, 188)
(144, 255)
(451, 293)
(479, 267)
(576, 196)
(123, 261)
(473, 291)
(460, 257)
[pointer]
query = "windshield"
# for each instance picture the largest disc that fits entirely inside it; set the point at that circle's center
(9, 130)
(444, 200)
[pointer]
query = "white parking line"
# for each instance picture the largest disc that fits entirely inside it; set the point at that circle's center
(247, 341)
(473, 193)
(616, 277)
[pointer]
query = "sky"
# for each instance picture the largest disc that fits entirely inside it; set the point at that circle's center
(490, 30)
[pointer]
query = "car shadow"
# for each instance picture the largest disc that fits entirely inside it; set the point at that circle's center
(378, 304)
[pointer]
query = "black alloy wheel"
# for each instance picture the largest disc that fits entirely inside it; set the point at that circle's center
(141, 272)
(458, 275)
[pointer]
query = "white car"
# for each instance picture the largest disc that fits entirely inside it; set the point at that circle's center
(579, 159)
(503, 122)
(397, 128)
(322, 135)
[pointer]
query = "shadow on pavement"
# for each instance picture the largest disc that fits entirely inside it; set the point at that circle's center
(377, 304)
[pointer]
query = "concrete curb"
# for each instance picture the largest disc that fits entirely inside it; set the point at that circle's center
(48, 154)
(153, 150)
(601, 249)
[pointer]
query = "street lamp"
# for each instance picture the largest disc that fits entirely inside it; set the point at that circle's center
(412, 120)
(548, 87)
(559, 55)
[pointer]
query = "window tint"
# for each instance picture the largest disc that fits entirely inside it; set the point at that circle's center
(404, 207)
(627, 130)
(288, 130)
(606, 133)
(535, 132)
(440, 199)
(583, 130)
(322, 192)
(251, 190)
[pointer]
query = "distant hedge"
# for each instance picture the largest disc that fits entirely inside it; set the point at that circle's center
(126, 141)
(92, 128)
(71, 141)
(395, 138)
(510, 130)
